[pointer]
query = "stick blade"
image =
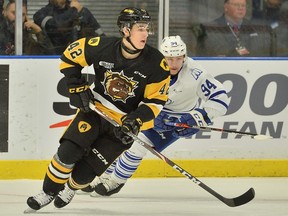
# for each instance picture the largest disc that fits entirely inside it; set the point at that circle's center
(241, 200)
(262, 137)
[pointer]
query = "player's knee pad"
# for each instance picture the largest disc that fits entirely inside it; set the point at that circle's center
(82, 173)
(69, 152)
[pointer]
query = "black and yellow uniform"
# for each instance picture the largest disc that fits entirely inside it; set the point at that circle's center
(131, 86)
(122, 86)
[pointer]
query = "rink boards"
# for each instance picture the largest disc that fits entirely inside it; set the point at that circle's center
(36, 110)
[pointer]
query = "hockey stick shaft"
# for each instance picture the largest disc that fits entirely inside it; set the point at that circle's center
(233, 202)
(252, 135)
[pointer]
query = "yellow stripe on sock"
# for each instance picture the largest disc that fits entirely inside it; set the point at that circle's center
(60, 167)
(54, 179)
(75, 185)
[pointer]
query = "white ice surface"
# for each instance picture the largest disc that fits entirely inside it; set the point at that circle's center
(159, 197)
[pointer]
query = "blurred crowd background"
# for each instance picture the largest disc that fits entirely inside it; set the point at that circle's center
(191, 19)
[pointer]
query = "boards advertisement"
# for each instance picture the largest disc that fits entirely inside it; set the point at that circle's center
(39, 110)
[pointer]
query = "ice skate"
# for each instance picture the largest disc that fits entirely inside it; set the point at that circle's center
(107, 188)
(92, 185)
(64, 197)
(38, 201)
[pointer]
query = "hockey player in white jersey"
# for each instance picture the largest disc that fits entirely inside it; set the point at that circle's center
(189, 83)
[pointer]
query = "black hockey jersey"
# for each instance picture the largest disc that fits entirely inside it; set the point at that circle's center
(121, 85)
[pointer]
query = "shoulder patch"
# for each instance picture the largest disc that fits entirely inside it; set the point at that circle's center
(94, 41)
(196, 73)
(164, 65)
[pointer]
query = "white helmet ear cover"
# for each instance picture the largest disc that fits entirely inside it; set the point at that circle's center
(173, 46)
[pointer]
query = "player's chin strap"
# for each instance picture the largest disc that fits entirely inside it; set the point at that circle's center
(130, 51)
(232, 202)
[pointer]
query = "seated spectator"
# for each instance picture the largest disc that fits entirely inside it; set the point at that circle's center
(35, 42)
(66, 21)
(234, 35)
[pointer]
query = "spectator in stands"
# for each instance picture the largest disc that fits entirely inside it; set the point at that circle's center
(66, 21)
(35, 42)
(270, 12)
(234, 35)
(281, 31)
(272, 9)
(270, 16)
(1, 5)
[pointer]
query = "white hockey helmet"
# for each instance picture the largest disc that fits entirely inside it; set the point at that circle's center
(173, 46)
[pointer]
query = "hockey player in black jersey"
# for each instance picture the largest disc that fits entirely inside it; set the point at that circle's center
(131, 85)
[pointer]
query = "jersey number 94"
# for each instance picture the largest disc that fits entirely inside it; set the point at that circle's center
(207, 86)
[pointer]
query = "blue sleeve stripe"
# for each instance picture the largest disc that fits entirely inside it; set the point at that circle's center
(220, 102)
(217, 93)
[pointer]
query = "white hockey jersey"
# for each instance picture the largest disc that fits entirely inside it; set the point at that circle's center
(194, 83)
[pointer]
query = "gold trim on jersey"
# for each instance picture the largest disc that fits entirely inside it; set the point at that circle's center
(75, 52)
(65, 65)
(78, 110)
(155, 108)
(111, 113)
(117, 116)
(157, 90)
(164, 65)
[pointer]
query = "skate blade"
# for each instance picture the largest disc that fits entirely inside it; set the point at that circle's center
(29, 211)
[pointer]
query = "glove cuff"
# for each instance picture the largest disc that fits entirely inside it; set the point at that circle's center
(133, 115)
(76, 81)
(77, 85)
(196, 115)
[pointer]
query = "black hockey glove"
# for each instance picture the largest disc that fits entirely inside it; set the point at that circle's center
(130, 124)
(80, 93)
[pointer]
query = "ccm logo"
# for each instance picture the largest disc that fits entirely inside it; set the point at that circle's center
(78, 89)
(100, 156)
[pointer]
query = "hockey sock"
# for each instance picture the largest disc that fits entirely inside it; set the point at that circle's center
(72, 184)
(110, 169)
(56, 176)
(126, 165)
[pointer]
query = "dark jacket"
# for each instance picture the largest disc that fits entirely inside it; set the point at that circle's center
(219, 40)
(33, 44)
(66, 25)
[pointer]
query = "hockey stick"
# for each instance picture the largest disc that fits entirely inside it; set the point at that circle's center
(252, 135)
(232, 202)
